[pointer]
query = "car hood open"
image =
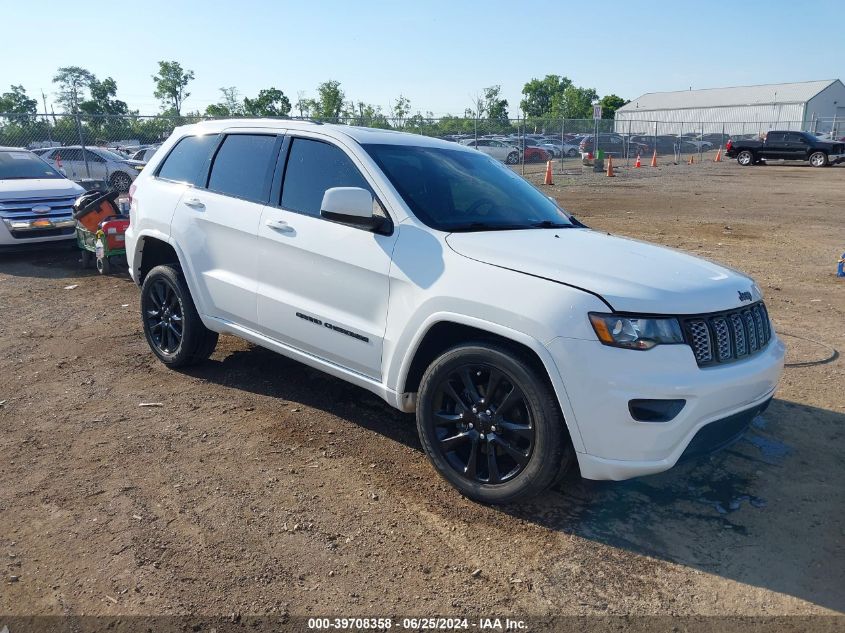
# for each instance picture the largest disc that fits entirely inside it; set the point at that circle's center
(630, 275)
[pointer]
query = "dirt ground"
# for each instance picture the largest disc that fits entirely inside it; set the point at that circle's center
(263, 487)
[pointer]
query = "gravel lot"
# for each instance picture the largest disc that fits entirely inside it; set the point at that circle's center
(260, 486)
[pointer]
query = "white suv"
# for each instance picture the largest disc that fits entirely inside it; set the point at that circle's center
(435, 277)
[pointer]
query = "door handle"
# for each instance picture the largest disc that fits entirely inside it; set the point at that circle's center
(195, 203)
(279, 225)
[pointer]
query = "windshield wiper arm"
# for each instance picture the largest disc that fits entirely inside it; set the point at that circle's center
(548, 224)
(484, 226)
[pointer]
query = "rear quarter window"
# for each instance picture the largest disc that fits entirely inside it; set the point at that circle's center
(187, 160)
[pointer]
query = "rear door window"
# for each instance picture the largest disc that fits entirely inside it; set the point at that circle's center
(313, 167)
(186, 162)
(243, 166)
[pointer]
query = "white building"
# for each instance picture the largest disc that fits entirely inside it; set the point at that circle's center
(814, 106)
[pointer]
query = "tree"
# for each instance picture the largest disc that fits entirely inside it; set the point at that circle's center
(72, 81)
(329, 102)
(269, 102)
(540, 93)
(171, 82)
(17, 102)
(102, 99)
(574, 103)
(401, 108)
(610, 104)
(230, 105)
(495, 108)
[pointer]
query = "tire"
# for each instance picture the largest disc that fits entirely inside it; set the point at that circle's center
(572, 153)
(165, 304)
(745, 158)
(818, 159)
(104, 266)
(512, 158)
(522, 427)
(86, 259)
(120, 181)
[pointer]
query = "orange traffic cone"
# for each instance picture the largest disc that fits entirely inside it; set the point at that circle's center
(691, 160)
(654, 159)
(638, 163)
(610, 173)
(548, 179)
(718, 158)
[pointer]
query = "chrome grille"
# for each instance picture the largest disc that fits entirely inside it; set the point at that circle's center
(725, 337)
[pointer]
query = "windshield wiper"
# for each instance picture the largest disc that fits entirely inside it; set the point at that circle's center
(548, 224)
(484, 226)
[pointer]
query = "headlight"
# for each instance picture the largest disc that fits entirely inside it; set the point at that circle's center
(633, 332)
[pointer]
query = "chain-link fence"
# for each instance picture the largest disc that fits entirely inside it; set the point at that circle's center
(513, 141)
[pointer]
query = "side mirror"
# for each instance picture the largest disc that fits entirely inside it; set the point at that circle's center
(350, 205)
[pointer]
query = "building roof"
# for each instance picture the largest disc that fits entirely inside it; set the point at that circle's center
(800, 92)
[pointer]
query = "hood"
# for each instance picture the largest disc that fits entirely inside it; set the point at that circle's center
(38, 188)
(630, 275)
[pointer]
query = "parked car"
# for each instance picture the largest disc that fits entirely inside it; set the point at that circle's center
(787, 145)
(102, 164)
(497, 149)
(564, 149)
(145, 153)
(36, 201)
(434, 277)
(533, 150)
(611, 144)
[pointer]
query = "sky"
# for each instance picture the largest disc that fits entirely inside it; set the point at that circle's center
(439, 54)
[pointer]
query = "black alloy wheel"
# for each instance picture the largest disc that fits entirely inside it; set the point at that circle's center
(485, 430)
(164, 316)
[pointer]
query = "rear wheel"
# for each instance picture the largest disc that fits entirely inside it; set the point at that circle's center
(172, 326)
(745, 158)
(491, 425)
(86, 258)
(818, 159)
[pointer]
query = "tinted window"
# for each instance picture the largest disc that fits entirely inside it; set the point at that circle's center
(186, 161)
(93, 157)
(313, 167)
(775, 137)
(67, 154)
(243, 167)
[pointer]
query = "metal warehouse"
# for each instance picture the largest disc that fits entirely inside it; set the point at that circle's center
(814, 106)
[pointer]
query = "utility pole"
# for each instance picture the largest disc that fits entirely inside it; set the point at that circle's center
(46, 120)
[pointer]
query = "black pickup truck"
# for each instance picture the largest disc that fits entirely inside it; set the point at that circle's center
(786, 146)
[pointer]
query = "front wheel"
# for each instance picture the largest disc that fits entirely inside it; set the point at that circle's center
(172, 326)
(745, 158)
(572, 153)
(120, 181)
(818, 159)
(512, 158)
(490, 424)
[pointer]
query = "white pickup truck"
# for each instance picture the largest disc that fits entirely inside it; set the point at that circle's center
(435, 277)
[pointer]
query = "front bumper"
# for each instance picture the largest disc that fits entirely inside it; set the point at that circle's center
(835, 159)
(601, 381)
(19, 231)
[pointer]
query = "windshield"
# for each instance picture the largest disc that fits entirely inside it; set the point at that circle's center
(24, 165)
(455, 190)
(110, 155)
